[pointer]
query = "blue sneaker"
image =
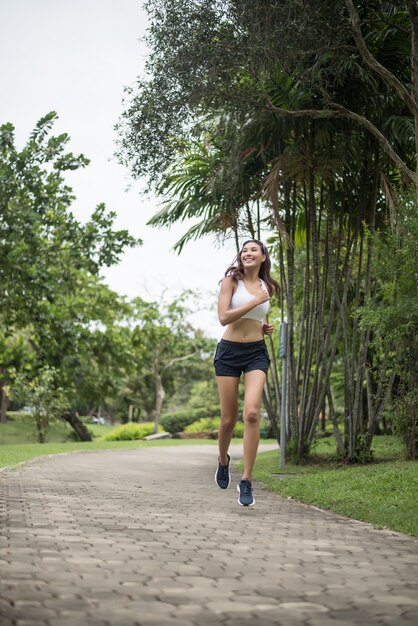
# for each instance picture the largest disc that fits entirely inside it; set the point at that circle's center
(223, 474)
(245, 491)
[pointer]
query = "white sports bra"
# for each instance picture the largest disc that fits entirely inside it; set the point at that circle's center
(242, 296)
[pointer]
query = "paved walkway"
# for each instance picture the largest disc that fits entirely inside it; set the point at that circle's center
(144, 537)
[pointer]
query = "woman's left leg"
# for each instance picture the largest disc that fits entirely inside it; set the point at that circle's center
(253, 384)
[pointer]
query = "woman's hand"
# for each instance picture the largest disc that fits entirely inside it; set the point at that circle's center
(261, 295)
(268, 329)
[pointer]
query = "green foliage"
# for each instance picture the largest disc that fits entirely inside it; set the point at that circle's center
(18, 416)
(402, 414)
(208, 424)
(212, 57)
(238, 430)
(56, 315)
(177, 421)
(168, 352)
(43, 248)
(130, 431)
(362, 452)
(203, 425)
(391, 315)
(293, 452)
(258, 116)
(46, 399)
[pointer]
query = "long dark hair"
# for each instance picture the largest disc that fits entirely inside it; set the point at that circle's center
(236, 270)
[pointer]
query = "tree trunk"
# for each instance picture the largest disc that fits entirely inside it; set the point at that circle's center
(4, 403)
(159, 399)
(413, 15)
(272, 414)
(333, 420)
(274, 372)
(77, 425)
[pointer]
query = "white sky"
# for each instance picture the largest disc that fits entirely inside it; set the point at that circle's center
(75, 57)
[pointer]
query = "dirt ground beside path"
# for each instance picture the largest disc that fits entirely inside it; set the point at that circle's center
(124, 537)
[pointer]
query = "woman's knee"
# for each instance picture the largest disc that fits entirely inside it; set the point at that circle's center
(228, 422)
(251, 415)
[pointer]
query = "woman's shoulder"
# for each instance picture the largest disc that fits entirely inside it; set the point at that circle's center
(229, 283)
(230, 280)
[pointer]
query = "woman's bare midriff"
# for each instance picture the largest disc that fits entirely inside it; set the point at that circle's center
(244, 330)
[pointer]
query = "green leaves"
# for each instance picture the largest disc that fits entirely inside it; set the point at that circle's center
(42, 246)
(45, 397)
(50, 288)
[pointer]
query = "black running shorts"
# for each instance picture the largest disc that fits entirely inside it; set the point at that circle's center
(234, 357)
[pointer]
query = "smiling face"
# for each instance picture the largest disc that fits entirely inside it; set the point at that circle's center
(251, 255)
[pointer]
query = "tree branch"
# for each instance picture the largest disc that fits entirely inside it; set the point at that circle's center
(339, 111)
(384, 143)
(177, 359)
(377, 67)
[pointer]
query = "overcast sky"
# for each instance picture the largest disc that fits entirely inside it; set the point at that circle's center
(75, 57)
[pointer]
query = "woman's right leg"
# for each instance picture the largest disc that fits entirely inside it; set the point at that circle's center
(228, 398)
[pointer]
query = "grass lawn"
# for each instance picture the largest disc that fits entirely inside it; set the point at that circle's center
(13, 454)
(22, 430)
(383, 493)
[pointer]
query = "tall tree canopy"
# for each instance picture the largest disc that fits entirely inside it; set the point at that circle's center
(50, 289)
(209, 56)
(301, 118)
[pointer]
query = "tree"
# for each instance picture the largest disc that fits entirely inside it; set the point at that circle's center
(43, 248)
(282, 94)
(167, 350)
(50, 288)
(390, 313)
(46, 399)
(210, 55)
(16, 354)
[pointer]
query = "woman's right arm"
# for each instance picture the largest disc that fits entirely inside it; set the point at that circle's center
(225, 313)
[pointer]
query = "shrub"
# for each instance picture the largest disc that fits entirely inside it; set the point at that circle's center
(204, 425)
(177, 421)
(19, 416)
(207, 424)
(44, 395)
(130, 431)
(238, 430)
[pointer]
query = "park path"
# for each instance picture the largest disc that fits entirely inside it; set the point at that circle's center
(145, 537)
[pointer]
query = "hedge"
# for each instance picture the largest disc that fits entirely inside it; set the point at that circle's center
(208, 424)
(130, 431)
(177, 421)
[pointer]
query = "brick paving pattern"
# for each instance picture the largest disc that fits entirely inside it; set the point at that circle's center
(144, 537)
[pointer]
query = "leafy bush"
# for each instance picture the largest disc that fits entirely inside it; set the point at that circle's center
(177, 421)
(130, 431)
(207, 424)
(19, 416)
(204, 425)
(238, 430)
(44, 395)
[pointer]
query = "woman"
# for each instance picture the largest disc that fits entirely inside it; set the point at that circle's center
(243, 306)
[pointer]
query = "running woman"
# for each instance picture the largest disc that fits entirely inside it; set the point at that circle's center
(243, 305)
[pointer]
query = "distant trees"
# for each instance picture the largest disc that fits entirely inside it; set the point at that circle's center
(298, 118)
(68, 343)
(167, 352)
